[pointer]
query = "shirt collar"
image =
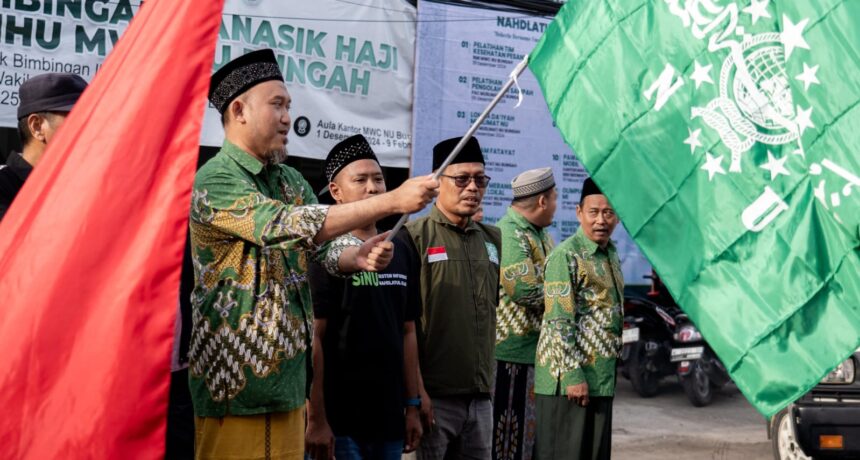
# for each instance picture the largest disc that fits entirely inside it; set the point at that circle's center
(17, 164)
(437, 216)
(522, 222)
(242, 157)
(591, 246)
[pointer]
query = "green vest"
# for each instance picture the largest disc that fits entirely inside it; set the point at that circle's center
(459, 275)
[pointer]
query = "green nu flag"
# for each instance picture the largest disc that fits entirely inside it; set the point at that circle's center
(727, 136)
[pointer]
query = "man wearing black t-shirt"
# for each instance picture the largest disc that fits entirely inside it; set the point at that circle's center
(364, 396)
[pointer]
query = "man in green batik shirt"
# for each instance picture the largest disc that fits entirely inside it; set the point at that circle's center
(525, 246)
(580, 337)
(254, 223)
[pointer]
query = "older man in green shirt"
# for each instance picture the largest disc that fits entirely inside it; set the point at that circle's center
(525, 246)
(254, 224)
(580, 337)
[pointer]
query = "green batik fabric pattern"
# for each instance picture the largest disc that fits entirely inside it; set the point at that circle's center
(521, 304)
(252, 227)
(334, 249)
(580, 336)
(725, 135)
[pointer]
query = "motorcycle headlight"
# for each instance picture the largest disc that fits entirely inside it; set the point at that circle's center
(843, 374)
(688, 333)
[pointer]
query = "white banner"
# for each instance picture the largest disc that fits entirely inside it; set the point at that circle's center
(348, 65)
(464, 57)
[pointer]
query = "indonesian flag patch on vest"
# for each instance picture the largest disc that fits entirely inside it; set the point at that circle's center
(436, 254)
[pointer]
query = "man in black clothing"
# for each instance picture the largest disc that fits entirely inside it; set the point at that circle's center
(364, 396)
(46, 100)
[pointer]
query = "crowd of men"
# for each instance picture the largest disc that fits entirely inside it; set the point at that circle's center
(315, 336)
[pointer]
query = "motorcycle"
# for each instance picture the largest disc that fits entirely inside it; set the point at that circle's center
(647, 344)
(699, 369)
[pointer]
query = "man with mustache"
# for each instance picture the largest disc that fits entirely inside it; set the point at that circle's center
(458, 264)
(254, 223)
(580, 337)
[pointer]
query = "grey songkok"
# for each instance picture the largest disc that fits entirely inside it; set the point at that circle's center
(532, 182)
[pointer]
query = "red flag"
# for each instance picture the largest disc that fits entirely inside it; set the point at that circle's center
(90, 252)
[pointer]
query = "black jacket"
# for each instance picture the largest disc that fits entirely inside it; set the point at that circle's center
(12, 177)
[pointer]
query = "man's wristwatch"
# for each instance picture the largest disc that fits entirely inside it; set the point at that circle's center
(414, 402)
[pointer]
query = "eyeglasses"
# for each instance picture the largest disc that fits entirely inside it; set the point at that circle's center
(463, 181)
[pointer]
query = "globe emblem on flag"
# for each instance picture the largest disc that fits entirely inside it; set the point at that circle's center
(766, 67)
(755, 102)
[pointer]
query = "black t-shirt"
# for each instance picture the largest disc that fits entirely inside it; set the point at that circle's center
(363, 346)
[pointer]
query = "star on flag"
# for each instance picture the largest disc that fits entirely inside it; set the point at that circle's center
(792, 35)
(808, 76)
(758, 10)
(713, 165)
(776, 166)
(702, 74)
(804, 119)
(693, 140)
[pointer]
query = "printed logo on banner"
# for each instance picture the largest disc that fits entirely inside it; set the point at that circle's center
(436, 254)
(302, 126)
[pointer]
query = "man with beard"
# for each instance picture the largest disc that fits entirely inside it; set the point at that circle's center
(364, 397)
(580, 337)
(458, 264)
(254, 222)
(525, 246)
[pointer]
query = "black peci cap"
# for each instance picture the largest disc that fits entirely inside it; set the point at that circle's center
(589, 188)
(471, 152)
(240, 75)
(351, 149)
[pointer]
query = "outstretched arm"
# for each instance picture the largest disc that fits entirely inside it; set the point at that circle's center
(412, 196)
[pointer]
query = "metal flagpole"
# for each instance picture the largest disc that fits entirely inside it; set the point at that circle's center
(472, 129)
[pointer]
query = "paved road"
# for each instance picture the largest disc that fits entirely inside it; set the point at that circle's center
(669, 427)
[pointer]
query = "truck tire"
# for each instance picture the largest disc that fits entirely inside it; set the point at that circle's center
(785, 445)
